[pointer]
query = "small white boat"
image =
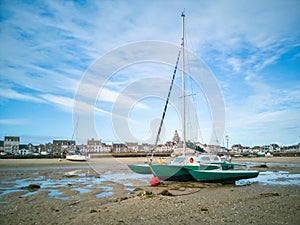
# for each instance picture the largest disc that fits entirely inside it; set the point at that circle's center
(269, 155)
(77, 157)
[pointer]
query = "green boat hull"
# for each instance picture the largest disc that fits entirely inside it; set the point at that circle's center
(140, 168)
(227, 166)
(171, 172)
(222, 176)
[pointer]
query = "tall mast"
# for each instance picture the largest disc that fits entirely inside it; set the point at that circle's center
(183, 89)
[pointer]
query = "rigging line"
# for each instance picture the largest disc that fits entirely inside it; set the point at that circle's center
(75, 129)
(167, 101)
(190, 80)
(202, 84)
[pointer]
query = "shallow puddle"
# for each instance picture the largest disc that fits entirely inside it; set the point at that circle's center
(104, 194)
(273, 178)
(57, 194)
(57, 182)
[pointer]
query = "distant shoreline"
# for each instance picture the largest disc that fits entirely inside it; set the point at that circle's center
(17, 163)
(94, 155)
(137, 154)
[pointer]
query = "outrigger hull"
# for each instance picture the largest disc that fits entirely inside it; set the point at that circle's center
(140, 168)
(222, 176)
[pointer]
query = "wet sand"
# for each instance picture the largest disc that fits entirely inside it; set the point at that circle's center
(168, 203)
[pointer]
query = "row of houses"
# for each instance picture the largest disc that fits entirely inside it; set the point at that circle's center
(11, 145)
(238, 148)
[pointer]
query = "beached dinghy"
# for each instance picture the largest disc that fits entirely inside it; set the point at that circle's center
(77, 157)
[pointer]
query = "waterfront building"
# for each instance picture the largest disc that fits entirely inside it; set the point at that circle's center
(11, 144)
(95, 146)
(293, 148)
(274, 148)
(1, 146)
(45, 149)
(32, 148)
(132, 146)
(119, 147)
(176, 138)
(61, 147)
(23, 150)
(163, 148)
(145, 147)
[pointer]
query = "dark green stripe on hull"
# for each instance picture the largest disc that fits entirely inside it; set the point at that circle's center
(221, 176)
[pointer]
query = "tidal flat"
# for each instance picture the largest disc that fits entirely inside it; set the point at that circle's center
(105, 191)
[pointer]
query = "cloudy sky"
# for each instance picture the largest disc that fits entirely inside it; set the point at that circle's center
(48, 49)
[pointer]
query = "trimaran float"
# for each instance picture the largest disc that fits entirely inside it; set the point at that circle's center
(199, 166)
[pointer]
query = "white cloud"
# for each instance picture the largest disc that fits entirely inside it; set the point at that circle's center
(264, 115)
(235, 63)
(64, 103)
(14, 121)
(14, 95)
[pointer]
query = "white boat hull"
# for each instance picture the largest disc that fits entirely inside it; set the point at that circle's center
(77, 157)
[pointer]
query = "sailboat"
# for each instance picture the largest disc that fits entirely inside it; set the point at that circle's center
(74, 154)
(191, 167)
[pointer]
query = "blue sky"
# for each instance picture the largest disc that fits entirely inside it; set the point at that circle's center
(251, 48)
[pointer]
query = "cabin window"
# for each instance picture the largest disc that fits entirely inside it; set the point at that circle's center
(206, 158)
(178, 160)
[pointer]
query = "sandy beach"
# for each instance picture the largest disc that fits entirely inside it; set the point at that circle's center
(105, 191)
